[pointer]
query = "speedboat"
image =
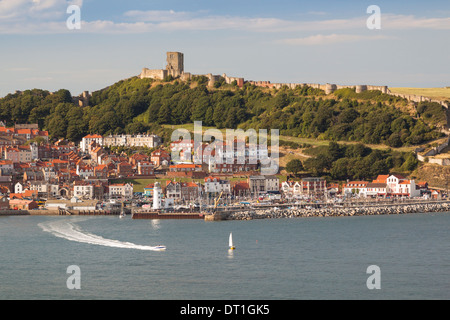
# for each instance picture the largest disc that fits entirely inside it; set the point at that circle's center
(160, 247)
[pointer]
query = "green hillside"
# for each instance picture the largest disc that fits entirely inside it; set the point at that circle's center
(139, 105)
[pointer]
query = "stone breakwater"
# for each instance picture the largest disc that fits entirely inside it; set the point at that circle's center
(274, 213)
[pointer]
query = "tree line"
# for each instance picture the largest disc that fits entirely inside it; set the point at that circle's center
(141, 105)
(352, 161)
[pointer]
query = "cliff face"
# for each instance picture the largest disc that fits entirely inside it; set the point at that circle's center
(437, 176)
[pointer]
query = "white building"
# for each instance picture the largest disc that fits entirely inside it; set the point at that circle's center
(260, 185)
(216, 185)
(374, 189)
(121, 190)
(45, 189)
(83, 190)
(291, 188)
(355, 187)
(399, 186)
(18, 188)
(84, 171)
(87, 140)
(173, 190)
(129, 140)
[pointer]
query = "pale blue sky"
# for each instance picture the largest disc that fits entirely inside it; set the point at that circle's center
(280, 41)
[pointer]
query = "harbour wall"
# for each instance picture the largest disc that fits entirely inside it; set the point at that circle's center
(361, 210)
(61, 212)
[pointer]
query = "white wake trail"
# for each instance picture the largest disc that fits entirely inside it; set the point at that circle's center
(68, 230)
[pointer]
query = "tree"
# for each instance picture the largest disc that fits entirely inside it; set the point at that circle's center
(394, 140)
(294, 166)
(339, 170)
(411, 162)
(317, 165)
(57, 127)
(334, 150)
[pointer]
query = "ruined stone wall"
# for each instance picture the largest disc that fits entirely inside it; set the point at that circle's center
(229, 80)
(416, 98)
(159, 74)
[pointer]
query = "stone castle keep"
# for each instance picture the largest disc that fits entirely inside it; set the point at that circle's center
(175, 68)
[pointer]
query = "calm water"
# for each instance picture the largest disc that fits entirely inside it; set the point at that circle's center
(303, 258)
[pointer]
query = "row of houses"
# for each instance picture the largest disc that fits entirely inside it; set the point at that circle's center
(219, 156)
(386, 185)
(126, 140)
(255, 186)
(20, 133)
(382, 186)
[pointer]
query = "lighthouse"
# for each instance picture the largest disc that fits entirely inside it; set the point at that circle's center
(157, 196)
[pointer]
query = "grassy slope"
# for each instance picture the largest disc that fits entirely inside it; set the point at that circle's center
(435, 93)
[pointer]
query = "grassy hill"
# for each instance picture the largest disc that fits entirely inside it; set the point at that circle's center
(303, 115)
(434, 93)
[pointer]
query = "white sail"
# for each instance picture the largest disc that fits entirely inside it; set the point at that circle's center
(230, 241)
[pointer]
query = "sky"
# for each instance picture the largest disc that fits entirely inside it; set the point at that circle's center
(278, 41)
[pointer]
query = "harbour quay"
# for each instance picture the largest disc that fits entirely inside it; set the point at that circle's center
(336, 211)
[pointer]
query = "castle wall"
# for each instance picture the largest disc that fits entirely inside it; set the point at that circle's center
(416, 98)
(229, 80)
(153, 74)
(175, 67)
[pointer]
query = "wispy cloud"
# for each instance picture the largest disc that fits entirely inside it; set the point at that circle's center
(328, 39)
(397, 22)
(158, 15)
(49, 16)
(39, 10)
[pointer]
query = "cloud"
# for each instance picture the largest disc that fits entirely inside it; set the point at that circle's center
(49, 16)
(157, 15)
(321, 39)
(402, 22)
(34, 10)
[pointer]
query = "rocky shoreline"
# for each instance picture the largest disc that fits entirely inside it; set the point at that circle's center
(275, 213)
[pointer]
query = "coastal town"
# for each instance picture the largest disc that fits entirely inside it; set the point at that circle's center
(38, 174)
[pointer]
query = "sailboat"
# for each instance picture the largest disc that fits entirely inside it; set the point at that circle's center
(230, 242)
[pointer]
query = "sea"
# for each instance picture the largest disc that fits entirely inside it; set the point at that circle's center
(330, 258)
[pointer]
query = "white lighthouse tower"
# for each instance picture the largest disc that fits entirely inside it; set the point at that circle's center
(157, 196)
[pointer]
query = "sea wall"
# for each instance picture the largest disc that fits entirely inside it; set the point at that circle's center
(362, 210)
(56, 212)
(8, 212)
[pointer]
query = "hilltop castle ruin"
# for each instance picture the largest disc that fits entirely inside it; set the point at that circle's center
(175, 68)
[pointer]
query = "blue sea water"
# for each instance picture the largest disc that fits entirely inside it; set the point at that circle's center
(280, 259)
